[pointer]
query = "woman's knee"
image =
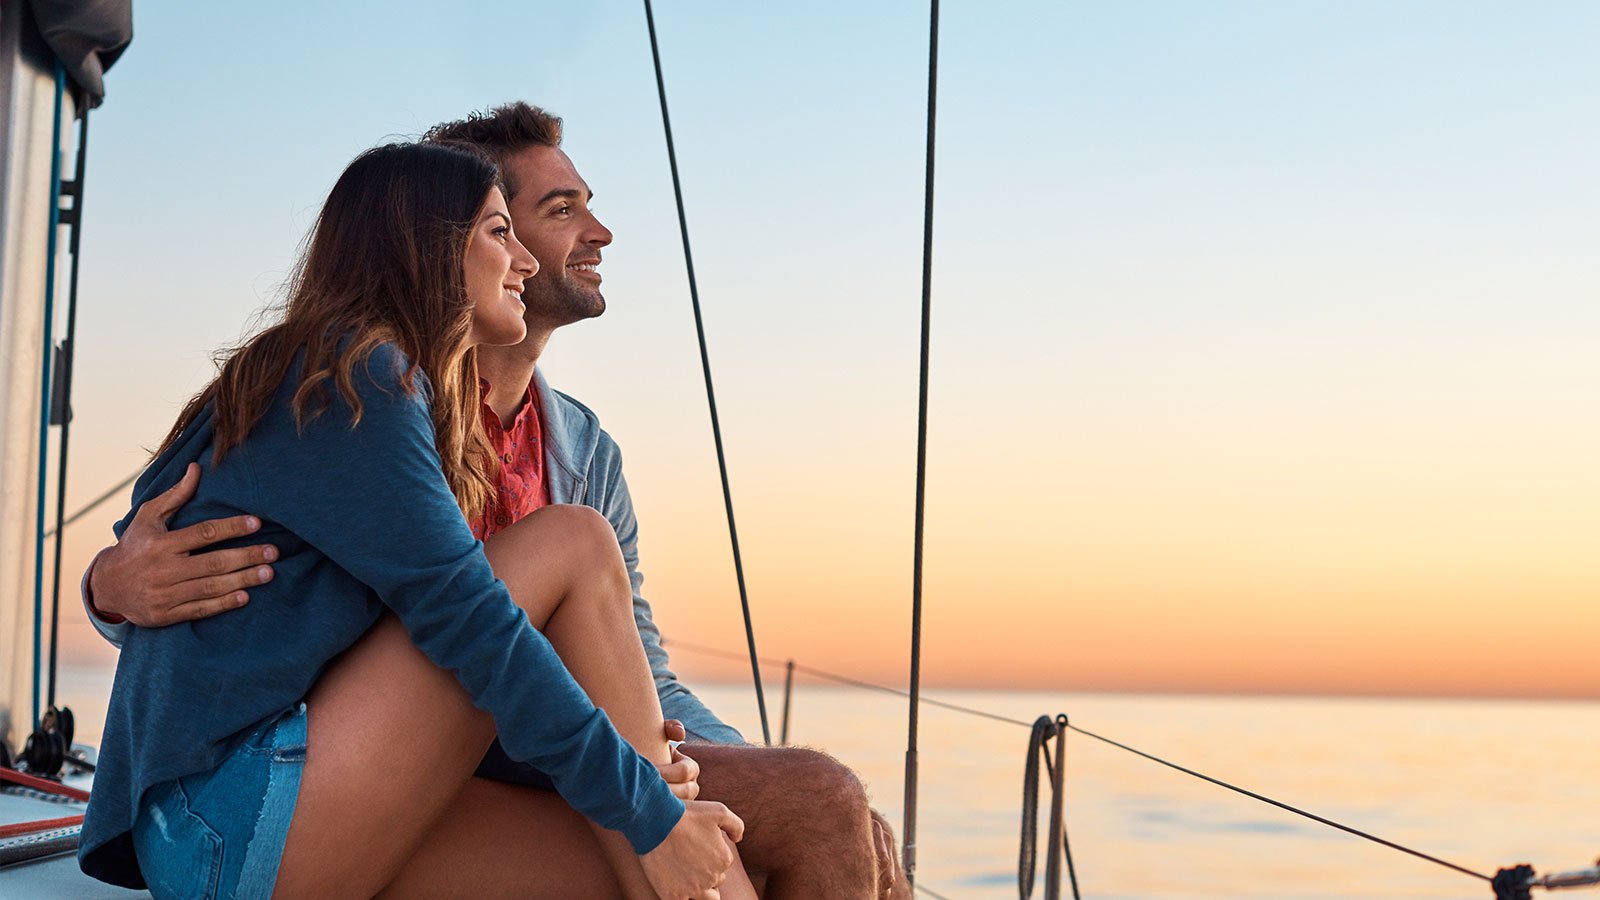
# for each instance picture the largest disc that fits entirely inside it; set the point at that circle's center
(562, 549)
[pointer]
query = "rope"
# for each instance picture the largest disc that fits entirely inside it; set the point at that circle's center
(931, 893)
(705, 366)
(19, 828)
(909, 830)
(843, 679)
(65, 398)
(42, 784)
(1028, 854)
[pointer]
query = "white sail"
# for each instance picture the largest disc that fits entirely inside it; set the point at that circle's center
(27, 98)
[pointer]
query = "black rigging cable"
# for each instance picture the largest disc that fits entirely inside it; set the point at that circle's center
(1296, 810)
(855, 682)
(705, 365)
(909, 830)
(64, 398)
(94, 504)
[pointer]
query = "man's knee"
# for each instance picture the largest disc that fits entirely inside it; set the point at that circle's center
(835, 785)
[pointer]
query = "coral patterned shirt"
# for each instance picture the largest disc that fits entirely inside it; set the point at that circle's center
(520, 487)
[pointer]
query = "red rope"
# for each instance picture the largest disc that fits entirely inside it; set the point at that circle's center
(42, 784)
(41, 825)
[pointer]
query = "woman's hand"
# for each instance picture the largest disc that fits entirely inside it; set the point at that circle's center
(682, 775)
(694, 859)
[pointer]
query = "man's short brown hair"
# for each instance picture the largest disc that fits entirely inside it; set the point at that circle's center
(502, 132)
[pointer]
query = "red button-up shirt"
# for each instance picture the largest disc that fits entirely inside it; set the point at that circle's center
(520, 487)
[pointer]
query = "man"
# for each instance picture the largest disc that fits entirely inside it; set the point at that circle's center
(808, 829)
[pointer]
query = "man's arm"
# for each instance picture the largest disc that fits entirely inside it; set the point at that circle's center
(677, 701)
(153, 577)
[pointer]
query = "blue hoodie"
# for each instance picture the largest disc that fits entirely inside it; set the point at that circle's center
(364, 523)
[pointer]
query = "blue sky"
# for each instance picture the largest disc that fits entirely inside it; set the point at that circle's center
(1231, 299)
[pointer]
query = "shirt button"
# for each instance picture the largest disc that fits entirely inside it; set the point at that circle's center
(502, 520)
(506, 458)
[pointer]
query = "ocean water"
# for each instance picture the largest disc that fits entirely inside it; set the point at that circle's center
(1483, 784)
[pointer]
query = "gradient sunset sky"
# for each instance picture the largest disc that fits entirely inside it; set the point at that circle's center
(1266, 347)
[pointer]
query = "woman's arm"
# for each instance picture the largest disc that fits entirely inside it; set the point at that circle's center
(374, 500)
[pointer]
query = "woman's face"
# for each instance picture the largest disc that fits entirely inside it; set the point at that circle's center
(495, 267)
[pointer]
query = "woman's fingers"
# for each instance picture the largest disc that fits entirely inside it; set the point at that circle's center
(731, 825)
(682, 775)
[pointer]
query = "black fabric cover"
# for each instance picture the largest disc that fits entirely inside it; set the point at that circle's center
(87, 36)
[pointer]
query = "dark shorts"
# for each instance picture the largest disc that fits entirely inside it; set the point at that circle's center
(497, 766)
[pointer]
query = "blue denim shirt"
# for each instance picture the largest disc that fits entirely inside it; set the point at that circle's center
(584, 465)
(365, 523)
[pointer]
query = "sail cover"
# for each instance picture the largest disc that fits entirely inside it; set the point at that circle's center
(87, 36)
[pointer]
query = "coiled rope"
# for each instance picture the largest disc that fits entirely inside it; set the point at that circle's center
(1045, 729)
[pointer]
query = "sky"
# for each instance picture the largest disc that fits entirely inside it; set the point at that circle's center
(1265, 353)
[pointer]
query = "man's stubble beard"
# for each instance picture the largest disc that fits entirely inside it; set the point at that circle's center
(560, 301)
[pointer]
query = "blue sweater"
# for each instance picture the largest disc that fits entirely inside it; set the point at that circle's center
(364, 522)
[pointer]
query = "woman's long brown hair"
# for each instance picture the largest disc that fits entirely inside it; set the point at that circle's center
(384, 263)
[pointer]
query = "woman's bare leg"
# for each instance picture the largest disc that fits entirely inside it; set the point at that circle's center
(393, 739)
(485, 831)
(598, 641)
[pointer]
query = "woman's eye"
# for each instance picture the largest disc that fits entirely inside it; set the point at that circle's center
(502, 231)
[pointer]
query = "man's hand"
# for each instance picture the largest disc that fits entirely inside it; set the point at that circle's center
(683, 773)
(694, 859)
(152, 577)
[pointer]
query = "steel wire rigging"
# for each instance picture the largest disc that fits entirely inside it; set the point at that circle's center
(1513, 878)
(908, 837)
(705, 366)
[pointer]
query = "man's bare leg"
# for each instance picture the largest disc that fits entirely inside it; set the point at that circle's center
(808, 826)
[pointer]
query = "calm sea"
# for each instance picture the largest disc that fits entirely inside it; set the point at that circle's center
(1481, 784)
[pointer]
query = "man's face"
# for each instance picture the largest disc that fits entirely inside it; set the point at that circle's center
(550, 211)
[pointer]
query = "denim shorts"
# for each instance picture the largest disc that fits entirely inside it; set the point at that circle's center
(221, 833)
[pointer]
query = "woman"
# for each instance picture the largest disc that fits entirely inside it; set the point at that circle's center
(314, 743)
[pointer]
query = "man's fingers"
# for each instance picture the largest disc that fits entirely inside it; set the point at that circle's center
(163, 505)
(211, 531)
(218, 585)
(224, 562)
(195, 610)
(674, 730)
(731, 825)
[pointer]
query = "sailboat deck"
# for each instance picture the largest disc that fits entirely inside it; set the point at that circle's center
(56, 876)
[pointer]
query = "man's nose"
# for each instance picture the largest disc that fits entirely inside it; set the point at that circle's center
(597, 234)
